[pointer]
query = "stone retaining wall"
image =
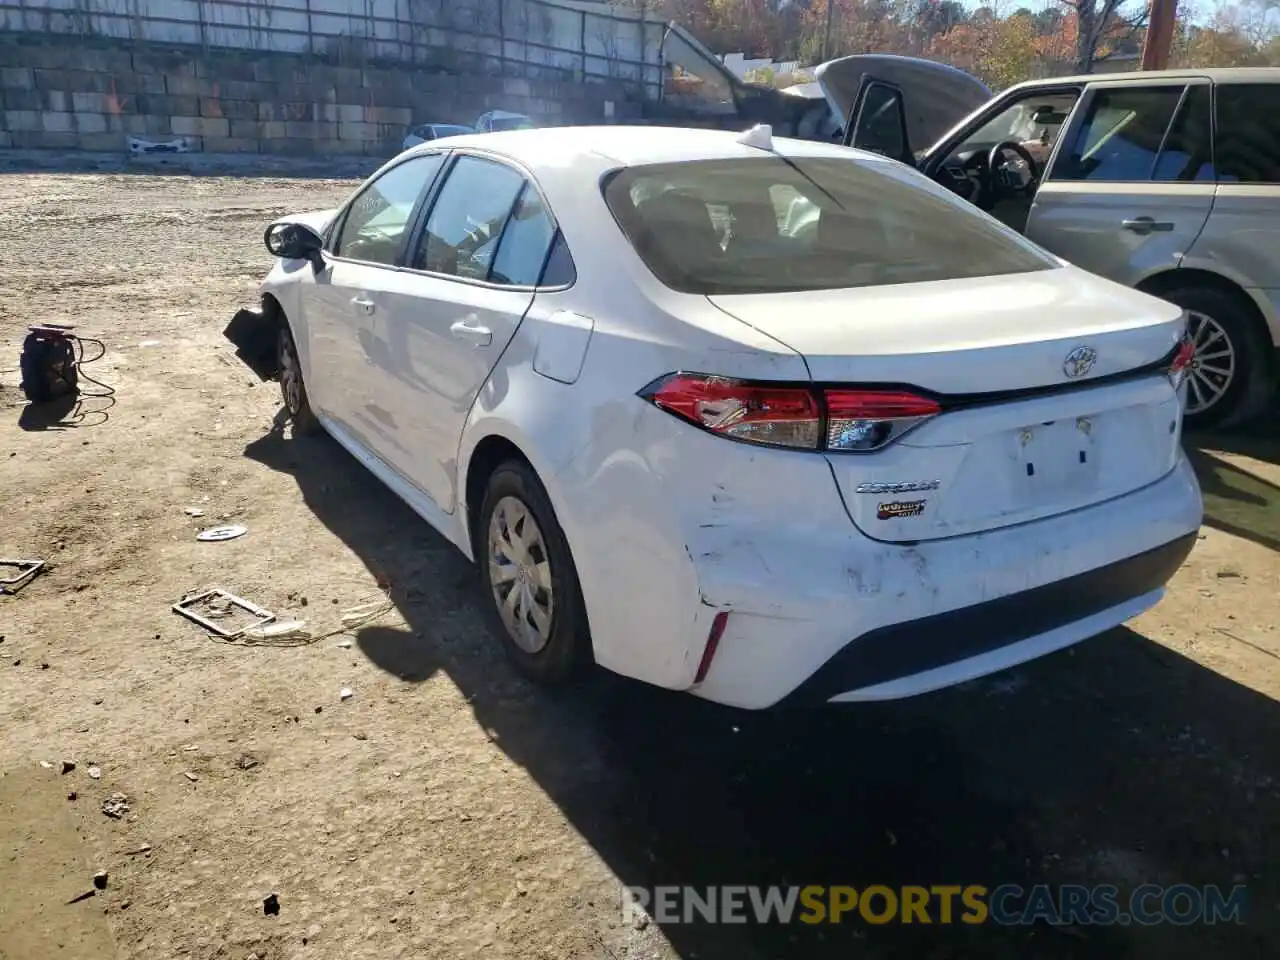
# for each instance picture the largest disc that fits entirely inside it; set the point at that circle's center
(81, 97)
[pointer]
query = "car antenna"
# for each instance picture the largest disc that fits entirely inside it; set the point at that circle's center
(760, 136)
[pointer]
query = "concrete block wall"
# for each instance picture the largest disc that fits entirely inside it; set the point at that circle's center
(79, 96)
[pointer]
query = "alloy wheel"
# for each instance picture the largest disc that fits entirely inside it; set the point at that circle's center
(1214, 368)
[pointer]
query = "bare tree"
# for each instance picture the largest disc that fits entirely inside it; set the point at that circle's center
(1103, 20)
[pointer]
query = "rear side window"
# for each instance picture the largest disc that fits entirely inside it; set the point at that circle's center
(467, 218)
(774, 224)
(1121, 135)
(1187, 154)
(1248, 147)
(523, 248)
(559, 271)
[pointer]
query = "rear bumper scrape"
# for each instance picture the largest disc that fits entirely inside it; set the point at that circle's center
(916, 646)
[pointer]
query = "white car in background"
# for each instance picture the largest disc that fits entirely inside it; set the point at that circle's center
(902, 450)
(426, 132)
(497, 120)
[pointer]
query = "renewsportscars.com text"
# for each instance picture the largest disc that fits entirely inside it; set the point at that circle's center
(1005, 905)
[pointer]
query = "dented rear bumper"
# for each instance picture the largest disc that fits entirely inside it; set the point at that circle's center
(841, 617)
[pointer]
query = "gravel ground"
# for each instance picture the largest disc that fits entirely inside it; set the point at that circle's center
(449, 809)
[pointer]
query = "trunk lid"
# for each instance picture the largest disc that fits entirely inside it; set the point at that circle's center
(936, 96)
(1041, 442)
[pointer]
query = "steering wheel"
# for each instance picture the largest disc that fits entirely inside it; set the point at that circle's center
(1000, 181)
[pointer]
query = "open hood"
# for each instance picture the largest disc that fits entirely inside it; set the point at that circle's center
(936, 96)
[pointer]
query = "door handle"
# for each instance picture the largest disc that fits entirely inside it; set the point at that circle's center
(1147, 225)
(364, 305)
(473, 333)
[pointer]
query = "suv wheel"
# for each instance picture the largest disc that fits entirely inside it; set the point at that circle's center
(1231, 379)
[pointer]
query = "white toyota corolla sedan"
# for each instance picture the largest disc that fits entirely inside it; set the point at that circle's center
(764, 420)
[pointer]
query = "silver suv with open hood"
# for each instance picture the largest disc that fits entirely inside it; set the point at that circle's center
(1168, 181)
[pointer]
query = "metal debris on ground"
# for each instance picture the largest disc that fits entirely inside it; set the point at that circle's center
(26, 572)
(190, 776)
(115, 806)
(220, 602)
(346, 693)
(271, 905)
(205, 606)
(46, 764)
(95, 773)
(100, 879)
(68, 766)
(279, 631)
(193, 512)
(364, 613)
(226, 532)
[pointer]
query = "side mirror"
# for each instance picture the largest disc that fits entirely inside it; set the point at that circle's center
(294, 241)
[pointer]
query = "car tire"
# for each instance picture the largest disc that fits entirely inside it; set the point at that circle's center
(529, 581)
(292, 389)
(1229, 337)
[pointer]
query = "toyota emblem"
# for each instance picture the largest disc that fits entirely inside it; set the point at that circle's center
(1079, 362)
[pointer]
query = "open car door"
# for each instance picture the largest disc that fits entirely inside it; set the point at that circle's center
(895, 105)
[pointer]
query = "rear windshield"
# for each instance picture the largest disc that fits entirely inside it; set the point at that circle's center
(770, 224)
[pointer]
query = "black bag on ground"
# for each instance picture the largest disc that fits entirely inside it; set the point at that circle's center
(48, 363)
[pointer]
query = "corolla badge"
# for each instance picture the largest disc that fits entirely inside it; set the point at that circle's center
(1079, 362)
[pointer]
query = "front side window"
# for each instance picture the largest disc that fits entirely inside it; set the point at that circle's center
(373, 229)
(1248, 147)
(773, 224)
(1120, 138)
(467, 218)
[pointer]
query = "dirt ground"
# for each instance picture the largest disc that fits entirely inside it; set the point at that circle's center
(449, 809)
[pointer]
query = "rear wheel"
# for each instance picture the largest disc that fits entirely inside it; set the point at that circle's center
(529, 580)
(292, 390)
(1231, 379)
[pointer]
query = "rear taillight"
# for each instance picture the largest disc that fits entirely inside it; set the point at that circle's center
(870, 419)
(1180, 366)
(776, 416)
(796, 417)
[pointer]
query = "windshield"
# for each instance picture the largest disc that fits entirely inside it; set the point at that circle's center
(1038, 117)
(773, 224)
(511, 123)
(451, 129)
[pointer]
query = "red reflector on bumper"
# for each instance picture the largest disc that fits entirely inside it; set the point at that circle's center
(713, 641)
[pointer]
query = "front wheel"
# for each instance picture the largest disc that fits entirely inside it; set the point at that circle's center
(1231, 378)
(292, 389)
(530, 583)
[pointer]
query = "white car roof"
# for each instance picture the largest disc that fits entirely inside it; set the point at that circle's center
(554, 148)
